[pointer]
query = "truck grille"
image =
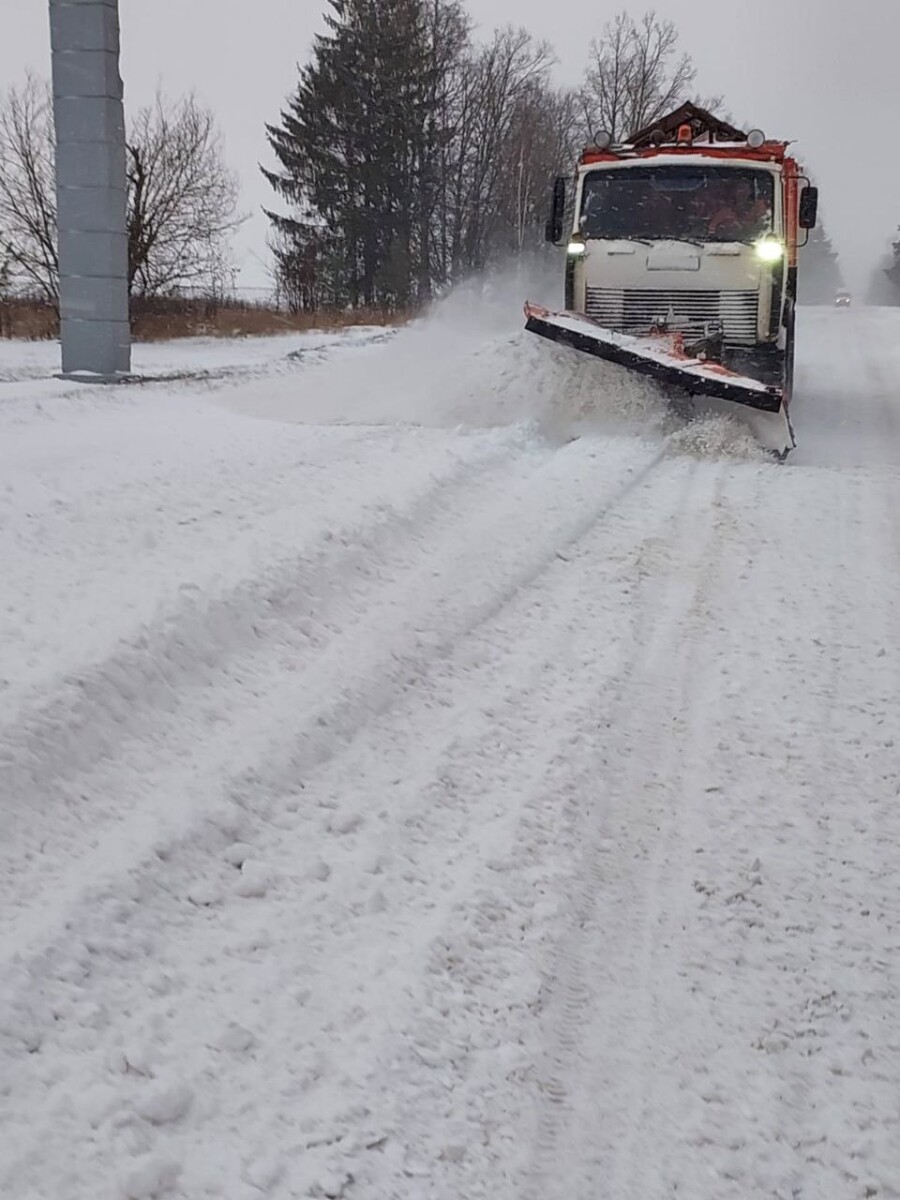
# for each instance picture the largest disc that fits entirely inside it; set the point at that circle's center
(635, 310)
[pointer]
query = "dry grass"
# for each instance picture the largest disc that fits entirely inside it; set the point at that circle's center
(250, 321)
(162, 321)
(27, 319)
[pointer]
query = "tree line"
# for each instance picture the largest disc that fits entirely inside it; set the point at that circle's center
(884, 286)
(410, 154)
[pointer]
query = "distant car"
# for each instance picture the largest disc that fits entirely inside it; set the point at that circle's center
(843, 300)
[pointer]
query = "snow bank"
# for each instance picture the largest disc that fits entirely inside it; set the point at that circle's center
(469, 363)
(21, 361)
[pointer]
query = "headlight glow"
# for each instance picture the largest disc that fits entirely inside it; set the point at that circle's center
(575, 249)
(769, 250)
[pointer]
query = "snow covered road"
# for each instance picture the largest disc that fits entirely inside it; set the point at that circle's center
(427, 772)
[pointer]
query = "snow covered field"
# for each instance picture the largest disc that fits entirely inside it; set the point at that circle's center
(427, 772)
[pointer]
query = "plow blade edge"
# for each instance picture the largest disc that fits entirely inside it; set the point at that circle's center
(662, 358)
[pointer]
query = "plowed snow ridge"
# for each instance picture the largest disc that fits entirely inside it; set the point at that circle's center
(428, 770)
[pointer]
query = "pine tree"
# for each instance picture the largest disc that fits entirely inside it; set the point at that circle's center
(887, 288)
(358, 145)
(820, 274)
(409, 157)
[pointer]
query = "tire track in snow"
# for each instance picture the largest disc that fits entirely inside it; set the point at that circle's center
(479, 969)
(749, 1047)
(822, 1067)
(634, 1164)
(119, 720)
(820, 1097)
(167, 876)
(829, 1064)
(347, 690)
(774, 1031)
(452, 1073)
(571, 1155)
(472, 958)
(97, 710)
(798, 1094)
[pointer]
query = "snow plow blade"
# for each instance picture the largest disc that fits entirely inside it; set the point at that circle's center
(663, 358)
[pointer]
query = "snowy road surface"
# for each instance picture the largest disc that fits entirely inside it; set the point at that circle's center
(426, 773)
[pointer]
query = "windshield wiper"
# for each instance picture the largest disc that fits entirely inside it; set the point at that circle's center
(653, 240)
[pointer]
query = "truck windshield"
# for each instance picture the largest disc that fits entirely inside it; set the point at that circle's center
(691, 203)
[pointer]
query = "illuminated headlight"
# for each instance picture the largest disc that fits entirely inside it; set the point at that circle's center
(769, 250)
(575, 249)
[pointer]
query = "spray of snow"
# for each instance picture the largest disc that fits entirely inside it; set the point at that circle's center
(468, 363)
(715, 436)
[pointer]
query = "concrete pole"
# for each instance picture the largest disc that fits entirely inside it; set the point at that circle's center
(91, 188)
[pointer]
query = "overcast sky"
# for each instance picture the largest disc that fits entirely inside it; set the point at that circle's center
(824, 72)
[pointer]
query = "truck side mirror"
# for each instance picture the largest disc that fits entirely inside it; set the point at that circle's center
(809, 207)
(554, 228)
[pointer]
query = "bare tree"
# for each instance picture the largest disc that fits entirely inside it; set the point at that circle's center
(540, 146)
(5, 283)
(635, 76)
(27, 188)
(489, 163)
(5, 267)
(182, 198)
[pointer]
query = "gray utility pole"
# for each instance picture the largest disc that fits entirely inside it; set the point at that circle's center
(91, 188)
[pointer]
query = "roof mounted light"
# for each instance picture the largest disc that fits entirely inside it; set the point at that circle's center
(603, 140)
(657, 137)
(755, 139)
(685, 135)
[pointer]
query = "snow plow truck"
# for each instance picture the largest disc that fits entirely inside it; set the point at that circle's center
(681, 263)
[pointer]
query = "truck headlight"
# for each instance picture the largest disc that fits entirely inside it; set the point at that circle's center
(769, 250)
(575, 249)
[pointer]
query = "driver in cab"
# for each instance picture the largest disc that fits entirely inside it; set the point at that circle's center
(740, 217)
